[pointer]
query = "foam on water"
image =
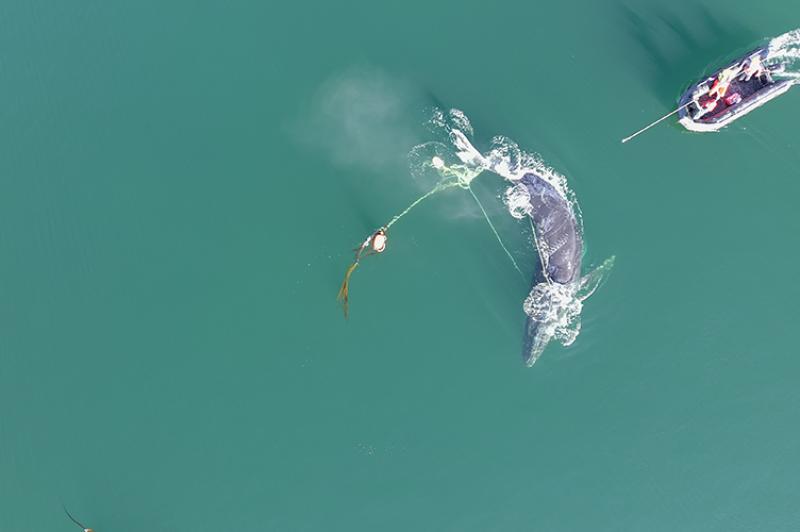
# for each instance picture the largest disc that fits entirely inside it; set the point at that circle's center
(450, 165)
(785, 50)
(518, 201)
(555, 307)
(557, 310)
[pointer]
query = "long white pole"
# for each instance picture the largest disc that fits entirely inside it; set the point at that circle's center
(626, 139)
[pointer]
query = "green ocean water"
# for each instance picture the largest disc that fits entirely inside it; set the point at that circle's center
(182, 184)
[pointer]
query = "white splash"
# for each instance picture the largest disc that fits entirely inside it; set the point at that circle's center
(555, 308)
(518, 201)
(784, 50)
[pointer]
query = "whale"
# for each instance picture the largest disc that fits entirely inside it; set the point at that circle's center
(560, 247)
(558, 290)
(557, 230)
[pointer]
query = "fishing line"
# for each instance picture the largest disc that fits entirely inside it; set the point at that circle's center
(441, 186)
(542, 252)
(496, 234)
(73, 519)
(364, 249)
(368, 248)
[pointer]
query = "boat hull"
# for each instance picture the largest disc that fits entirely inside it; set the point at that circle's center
(758, 92)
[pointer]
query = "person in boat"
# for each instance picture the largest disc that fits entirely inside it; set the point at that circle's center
(723, 82)
(752, 66)
(703, 102)
(704, 105)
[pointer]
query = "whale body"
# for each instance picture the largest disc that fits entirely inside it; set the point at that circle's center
(554, 304)
(560, 248)
(557, 231)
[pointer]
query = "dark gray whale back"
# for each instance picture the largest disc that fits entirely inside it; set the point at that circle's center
(558, 232)
(556, 228)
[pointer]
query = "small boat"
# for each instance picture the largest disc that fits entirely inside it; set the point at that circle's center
(743, 95)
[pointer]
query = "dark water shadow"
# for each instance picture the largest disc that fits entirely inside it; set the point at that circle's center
(369, 219)
(672, 47)
(359, 201)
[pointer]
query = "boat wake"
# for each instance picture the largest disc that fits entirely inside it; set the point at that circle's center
(553, 308)
(785, 51)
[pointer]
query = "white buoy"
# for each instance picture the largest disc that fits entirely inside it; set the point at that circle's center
(379, 242)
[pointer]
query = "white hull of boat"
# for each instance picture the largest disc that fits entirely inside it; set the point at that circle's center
(739, 111)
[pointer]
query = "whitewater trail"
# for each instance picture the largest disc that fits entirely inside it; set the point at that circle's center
(785, 50)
